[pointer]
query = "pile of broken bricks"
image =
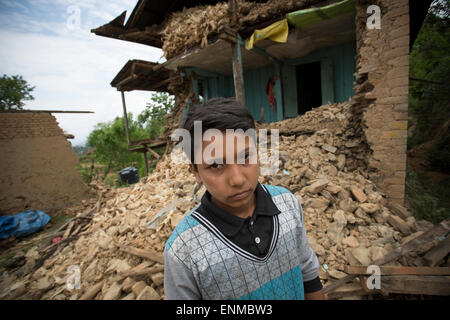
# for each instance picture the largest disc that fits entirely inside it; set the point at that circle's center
(115, 242)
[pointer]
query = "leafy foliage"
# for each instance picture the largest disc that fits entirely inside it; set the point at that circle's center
(427, 203)
(153, 117)
(13, 91)
(429, 108)
(110, 142)
(430, 60)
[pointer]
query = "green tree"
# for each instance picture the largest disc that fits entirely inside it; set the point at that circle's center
(430, 60)
(13, 91)
(428, 184)
(110, 142)
(154, 115)
(111, 146)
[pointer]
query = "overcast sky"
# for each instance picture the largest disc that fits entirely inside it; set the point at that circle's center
(49, 43)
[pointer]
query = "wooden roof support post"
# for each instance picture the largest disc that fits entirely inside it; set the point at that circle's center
(146, 163)
(238, 74)
(125, 116)
(278, 92)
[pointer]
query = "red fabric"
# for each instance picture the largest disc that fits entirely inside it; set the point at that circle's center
(270, 94)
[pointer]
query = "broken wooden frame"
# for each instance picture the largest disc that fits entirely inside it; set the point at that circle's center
(148, 76)
(406, 280)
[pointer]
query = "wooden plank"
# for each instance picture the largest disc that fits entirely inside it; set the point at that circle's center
(412, 284)
(436, 254)
(349, 289)
(146, 254)
(136, 14)
(228, 38)
(387, 270)
(157, 156)
(126, 80)
(399, 210)
(146, 163)
(92, 291)
(68, 229)
(437, 231)
(143, 271)
(163, 82)
(135, 270)
(43, 111)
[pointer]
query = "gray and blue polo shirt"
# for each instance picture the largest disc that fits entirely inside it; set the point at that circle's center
(212, 254)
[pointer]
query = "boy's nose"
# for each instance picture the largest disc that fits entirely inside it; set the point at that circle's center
(236, 177)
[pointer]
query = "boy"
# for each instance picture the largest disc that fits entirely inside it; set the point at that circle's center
(244, 240)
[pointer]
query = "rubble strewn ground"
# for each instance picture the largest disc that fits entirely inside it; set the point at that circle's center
(117, 241)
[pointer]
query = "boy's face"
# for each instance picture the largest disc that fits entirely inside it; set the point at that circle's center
(230, 184)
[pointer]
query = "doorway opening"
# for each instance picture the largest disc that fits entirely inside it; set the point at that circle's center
(309, 87)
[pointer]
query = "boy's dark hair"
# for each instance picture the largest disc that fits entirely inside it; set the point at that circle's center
(217, 113)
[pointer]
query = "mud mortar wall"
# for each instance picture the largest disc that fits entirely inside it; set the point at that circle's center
(37, 165)
(381, 92)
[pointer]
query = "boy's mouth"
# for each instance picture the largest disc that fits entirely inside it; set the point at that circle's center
(240, 195)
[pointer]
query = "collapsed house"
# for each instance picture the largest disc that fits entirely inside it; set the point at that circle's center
(344, 160)
(322, 52)
(37, 164)
(114, 245)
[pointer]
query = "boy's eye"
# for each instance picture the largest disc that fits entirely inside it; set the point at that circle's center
(215, 166)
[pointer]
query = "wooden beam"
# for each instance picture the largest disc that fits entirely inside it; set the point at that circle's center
(146, 163)
(411, 284)
(143, 271)
(136, 15)
(146, 254)
(126, 80)
(157, 156)
(143, 65)
(437, 231)
(43, 111)
(349, 289)
(264, 53)
(227, 38)
(163, 82)
(387, 270)
(436, 254)
(125, 117)
(202, 73)
(238, 74)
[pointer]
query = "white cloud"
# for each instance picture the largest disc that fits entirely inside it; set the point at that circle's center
(72, 70)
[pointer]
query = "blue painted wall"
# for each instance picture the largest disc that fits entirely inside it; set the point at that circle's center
(337, 64)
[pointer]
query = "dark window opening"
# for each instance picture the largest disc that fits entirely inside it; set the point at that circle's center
(309, 89)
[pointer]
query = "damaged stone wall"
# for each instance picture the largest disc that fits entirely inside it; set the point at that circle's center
(37, 165)
(380, 104)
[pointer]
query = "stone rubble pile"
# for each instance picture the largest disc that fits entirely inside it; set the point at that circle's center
(116, 243)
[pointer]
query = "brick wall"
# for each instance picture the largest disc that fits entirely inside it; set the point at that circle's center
(37, 165)
(381, 93)
(27, 125)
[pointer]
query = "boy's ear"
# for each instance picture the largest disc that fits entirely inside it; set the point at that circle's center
(195, 172)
